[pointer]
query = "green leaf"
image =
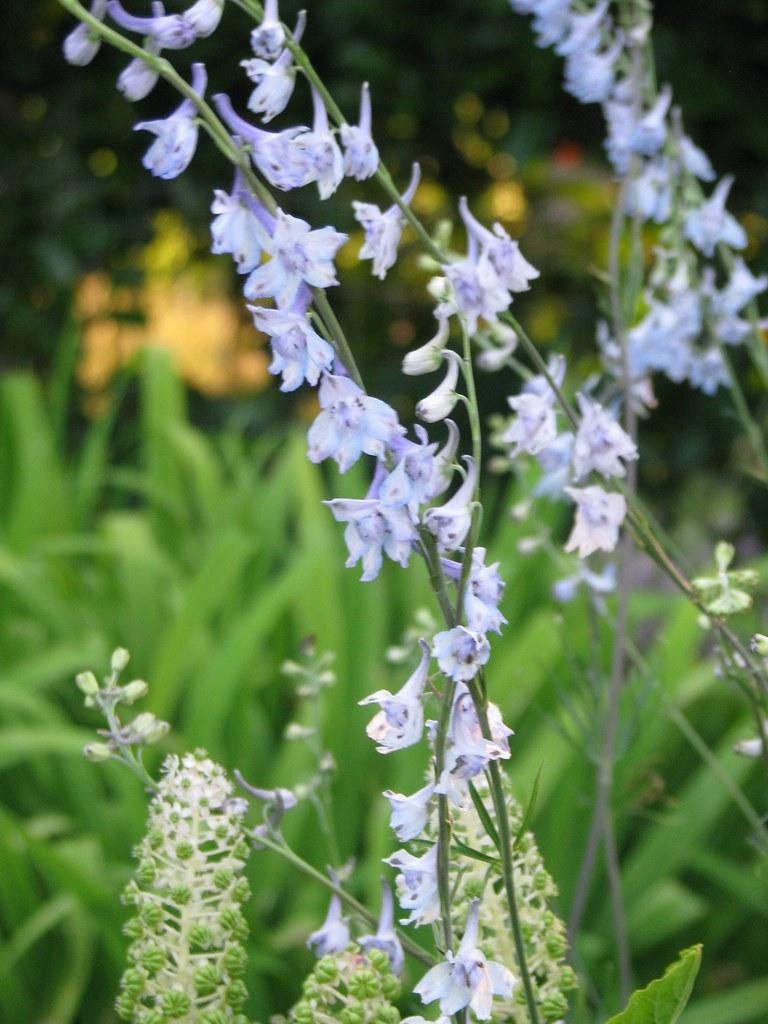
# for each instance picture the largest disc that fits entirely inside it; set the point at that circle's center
(664, 1000)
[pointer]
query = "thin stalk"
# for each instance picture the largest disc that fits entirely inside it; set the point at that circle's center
(751, 429)
(415, 950)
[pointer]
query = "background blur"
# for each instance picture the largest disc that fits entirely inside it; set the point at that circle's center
(154, 491)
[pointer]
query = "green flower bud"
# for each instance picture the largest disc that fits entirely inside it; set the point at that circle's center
(390, 987)
(125, 1006)
(386, 1015)
(231, 920)
(152, 958)
(235, 961)
(759, 644)
(327, 970)
(200, 938)
(351, 1015)
(181, 895)
(134, 691)
(241, 891)
(303, 1013)
(120, 658)
(556, 946)
(222, 878)
(97, 752)
(151, 914)
(185, 850)
(214, 1017)
(473, 888)
(364, 984)
(87, 683)
(568, 978)
(554, 1007)
(133, 928)
(236, 994)
(146, 872)
(175, 1004)
(379, 960)
(206, 979)
(132, 982)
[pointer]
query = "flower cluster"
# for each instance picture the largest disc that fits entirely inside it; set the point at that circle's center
(186, 958)
(686, 316)
(351, 986)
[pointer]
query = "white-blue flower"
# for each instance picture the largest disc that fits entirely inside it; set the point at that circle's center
(386, 936)
(461, 652)
(374, 530)
(416, 885)
(349, 423)
(176, 136)
(710, 224)
(400, 722)
(83, 43)
(274, 81)
(383, 229)
(241, 226)
(361, 157)
(298, 352)
(410, 814)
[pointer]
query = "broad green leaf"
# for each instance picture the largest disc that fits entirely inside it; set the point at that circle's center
(664, 1000)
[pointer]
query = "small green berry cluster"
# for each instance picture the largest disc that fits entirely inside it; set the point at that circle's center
(543, 931)
(353, 987)
(186, 959)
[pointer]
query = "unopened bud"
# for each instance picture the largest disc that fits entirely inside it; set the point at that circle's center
(97, 752)
(87, 683)
(134, 691)
(759, 644)
(120, 658)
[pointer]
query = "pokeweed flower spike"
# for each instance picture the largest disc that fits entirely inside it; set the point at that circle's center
(601, 443)
(298, 351)
(467, 979)
(416, 885)
(172, 31)
(439, 404)
(274, 81)
(375, 527)
(333, 935)
(350, 423)
(176, 135)
(400, 722)
(186, 958)
(322, 151)
(710, 223)
(599, 515)
(450, 522)
(386, 938)
(83, 43)
(384, 229)
(410, 814)
(300, 256)
(137, 79)
(429, 357)
(241, 225)
(274, 154)
(361, 157)
(269, 38)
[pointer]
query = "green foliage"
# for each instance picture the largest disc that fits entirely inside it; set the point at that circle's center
(664, 1000)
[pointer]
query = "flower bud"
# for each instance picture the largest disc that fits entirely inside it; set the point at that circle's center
(438, 405)
(120, 658)
(134, 691)
(429, 357)
(97, 752)
(87, 683)
(759, 644)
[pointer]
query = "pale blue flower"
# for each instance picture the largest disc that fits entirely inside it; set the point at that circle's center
(350, 423)
(590, 74)
(468, 752)
(172, 31)
(650, 131)
(598, 583)
(534, 428)
(450, 522)
(584, 31)
(439, 403)
(601, 444)
(429, 356)
(176, 136)
(550, 20)
(269, 38)
(467, 979)
(274, 154)
(83, 43)
(461, 652)
(298, 351)
(416, 885)
(361, 157)
(400, 723)
(482, 595)
(741, 288)
(599, 515)
(241, 226)
(274, 80)
(555, 461)
(386, 937)
(411, 482)
(410, 814)
(299, 256)
(708, 372)
(333, 935)
(620, 124)
(695, 160)
(137, 79)
(321, 150)
(710, 224)
(384, 228)
(649, 194)
(373, 530)
(512, 269)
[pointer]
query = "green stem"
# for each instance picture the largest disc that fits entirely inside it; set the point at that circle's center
(751, 429)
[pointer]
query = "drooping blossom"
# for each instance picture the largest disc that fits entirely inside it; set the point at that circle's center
(333, 935)
(172, 31)
(83, 42)
(601, 443)
(412, 480)
(450, 522)
(695, 160)
(482, 595)
(350, 423)
(321, 150)
(361, 157)
(384, 228)
(386, 936)
(299, 256)
(298, 352)
(416, 885)
(138, 78)
(439, 403)
(241, 226)
(650, 131)
(599, 515)
(373, 530)
(400, 722)
(468, 751)
(584, 30)
(176, 135)
(268, 39)
(274, 81)
(467, 979)
(590, 74)
(710, 224)
(410, 814)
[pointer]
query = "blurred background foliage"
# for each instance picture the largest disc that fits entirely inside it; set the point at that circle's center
(155, 493)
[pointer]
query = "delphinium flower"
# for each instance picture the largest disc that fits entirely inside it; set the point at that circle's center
(410, 814)
(482, 593)
(374, 529)
(534, 428)
(599, 515)
(321, 150)
(601, 444)
(186, 955)
(241, 226)
(333, 935)
(350, 422)
(416, 884)
(467, 979)
(299, 354)
(299, 256)
(469, 752)
(274, 81)
(544, 933)
(138, 78)
(461, 652)
(176, 135)
(385, 937)
(361, 157)
(429, 356)
(710, 223)
(83, 43)
(450, 522)
(400, 722)
(172, 31)
(383, 229)
(269, 38)
(440, 403)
